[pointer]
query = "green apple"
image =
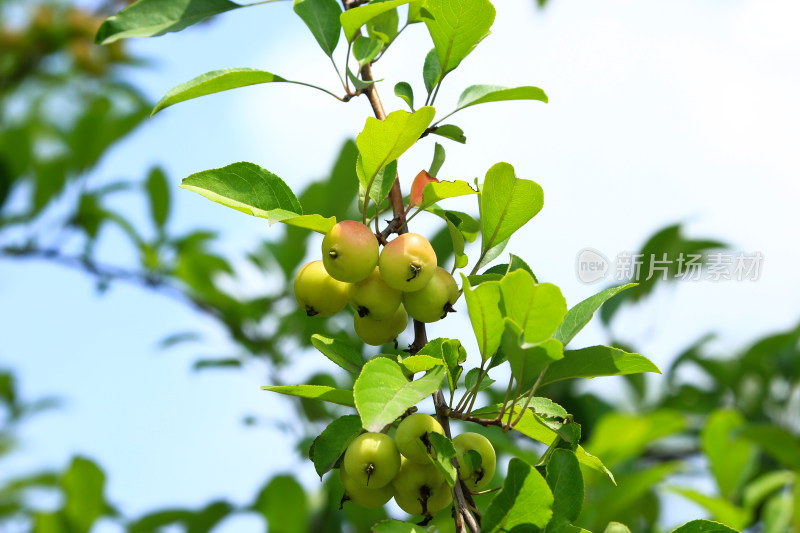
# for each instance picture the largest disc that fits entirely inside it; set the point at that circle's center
(435, 300)
(317, 292)
(475, 479)
(373, 298)
(372, 460)
(380, 332)
(350, 251)
(408, 262)
(368, 498)
(420, 489)
(412, 436)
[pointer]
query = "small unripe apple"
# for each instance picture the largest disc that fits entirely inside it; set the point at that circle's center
(477, 478)
(317, 292)
(420, 489)
(369, 498)
(412, 436)
(408, 262)
(373, 298)
(380, 332)
(435, 300)
(350, 251)
(372, 460)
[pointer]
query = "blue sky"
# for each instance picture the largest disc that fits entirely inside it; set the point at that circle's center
(660, 112)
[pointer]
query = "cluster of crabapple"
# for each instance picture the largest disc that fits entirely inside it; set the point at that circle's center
(377, 468)
(383, 286)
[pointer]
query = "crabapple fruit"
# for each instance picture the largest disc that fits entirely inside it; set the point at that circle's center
(408, 262)
(349, 251)
(380, 332)
(412, 436)
(372, 460)
(435, 300)
(317, 292)
(373, 298)
(476, 478)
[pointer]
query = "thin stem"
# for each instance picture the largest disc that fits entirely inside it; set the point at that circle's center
(528, 400)
(505, 400)
(390, 44)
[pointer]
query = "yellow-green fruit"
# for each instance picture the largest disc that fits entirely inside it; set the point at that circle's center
(417, 484)
(380, 332)
(372, 460)
(435, 300)
(475, 479)
(373, 298)
(317, 292)
(412, 436)
(369, 498)
(350, 251)
(408, 262)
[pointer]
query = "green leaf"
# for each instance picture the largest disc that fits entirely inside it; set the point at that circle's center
(382, 392)
(783, 446)
(365, 49)
(420, 363)
(703, 526)
(471, 380)
(431, 70)
(339, 352)
(353, 19)
(581, 314)
(778, 514)
(641, 430)
(383, 141)
(322, 18)
(404, 91)
(597, 361)
(483, 305)
(396, 526)
(83, 485)
(158, 192)
(149, 18)
(528, 360)
(506, 203)
(757, 490)
(445, 452)
(460, 258)
(450, 131)
(524, 500)
(451, 352)
(566, 482)
(381, 183)
(732, 457)
(204, 364)
(221, 80)
(438, 160)
(436, 191)
(315, 392)
(256, 191)
(720, 508)
(333, 441)
(357, 82)
(457, 27)
(482, 94)
(537, 308)
(384, 26)
(284, 504)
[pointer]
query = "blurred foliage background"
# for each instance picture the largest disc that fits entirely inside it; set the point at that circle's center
(719, 430)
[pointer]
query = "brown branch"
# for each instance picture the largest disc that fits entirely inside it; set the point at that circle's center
(463, 517)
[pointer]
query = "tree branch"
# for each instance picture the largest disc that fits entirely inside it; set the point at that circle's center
(463, 516)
